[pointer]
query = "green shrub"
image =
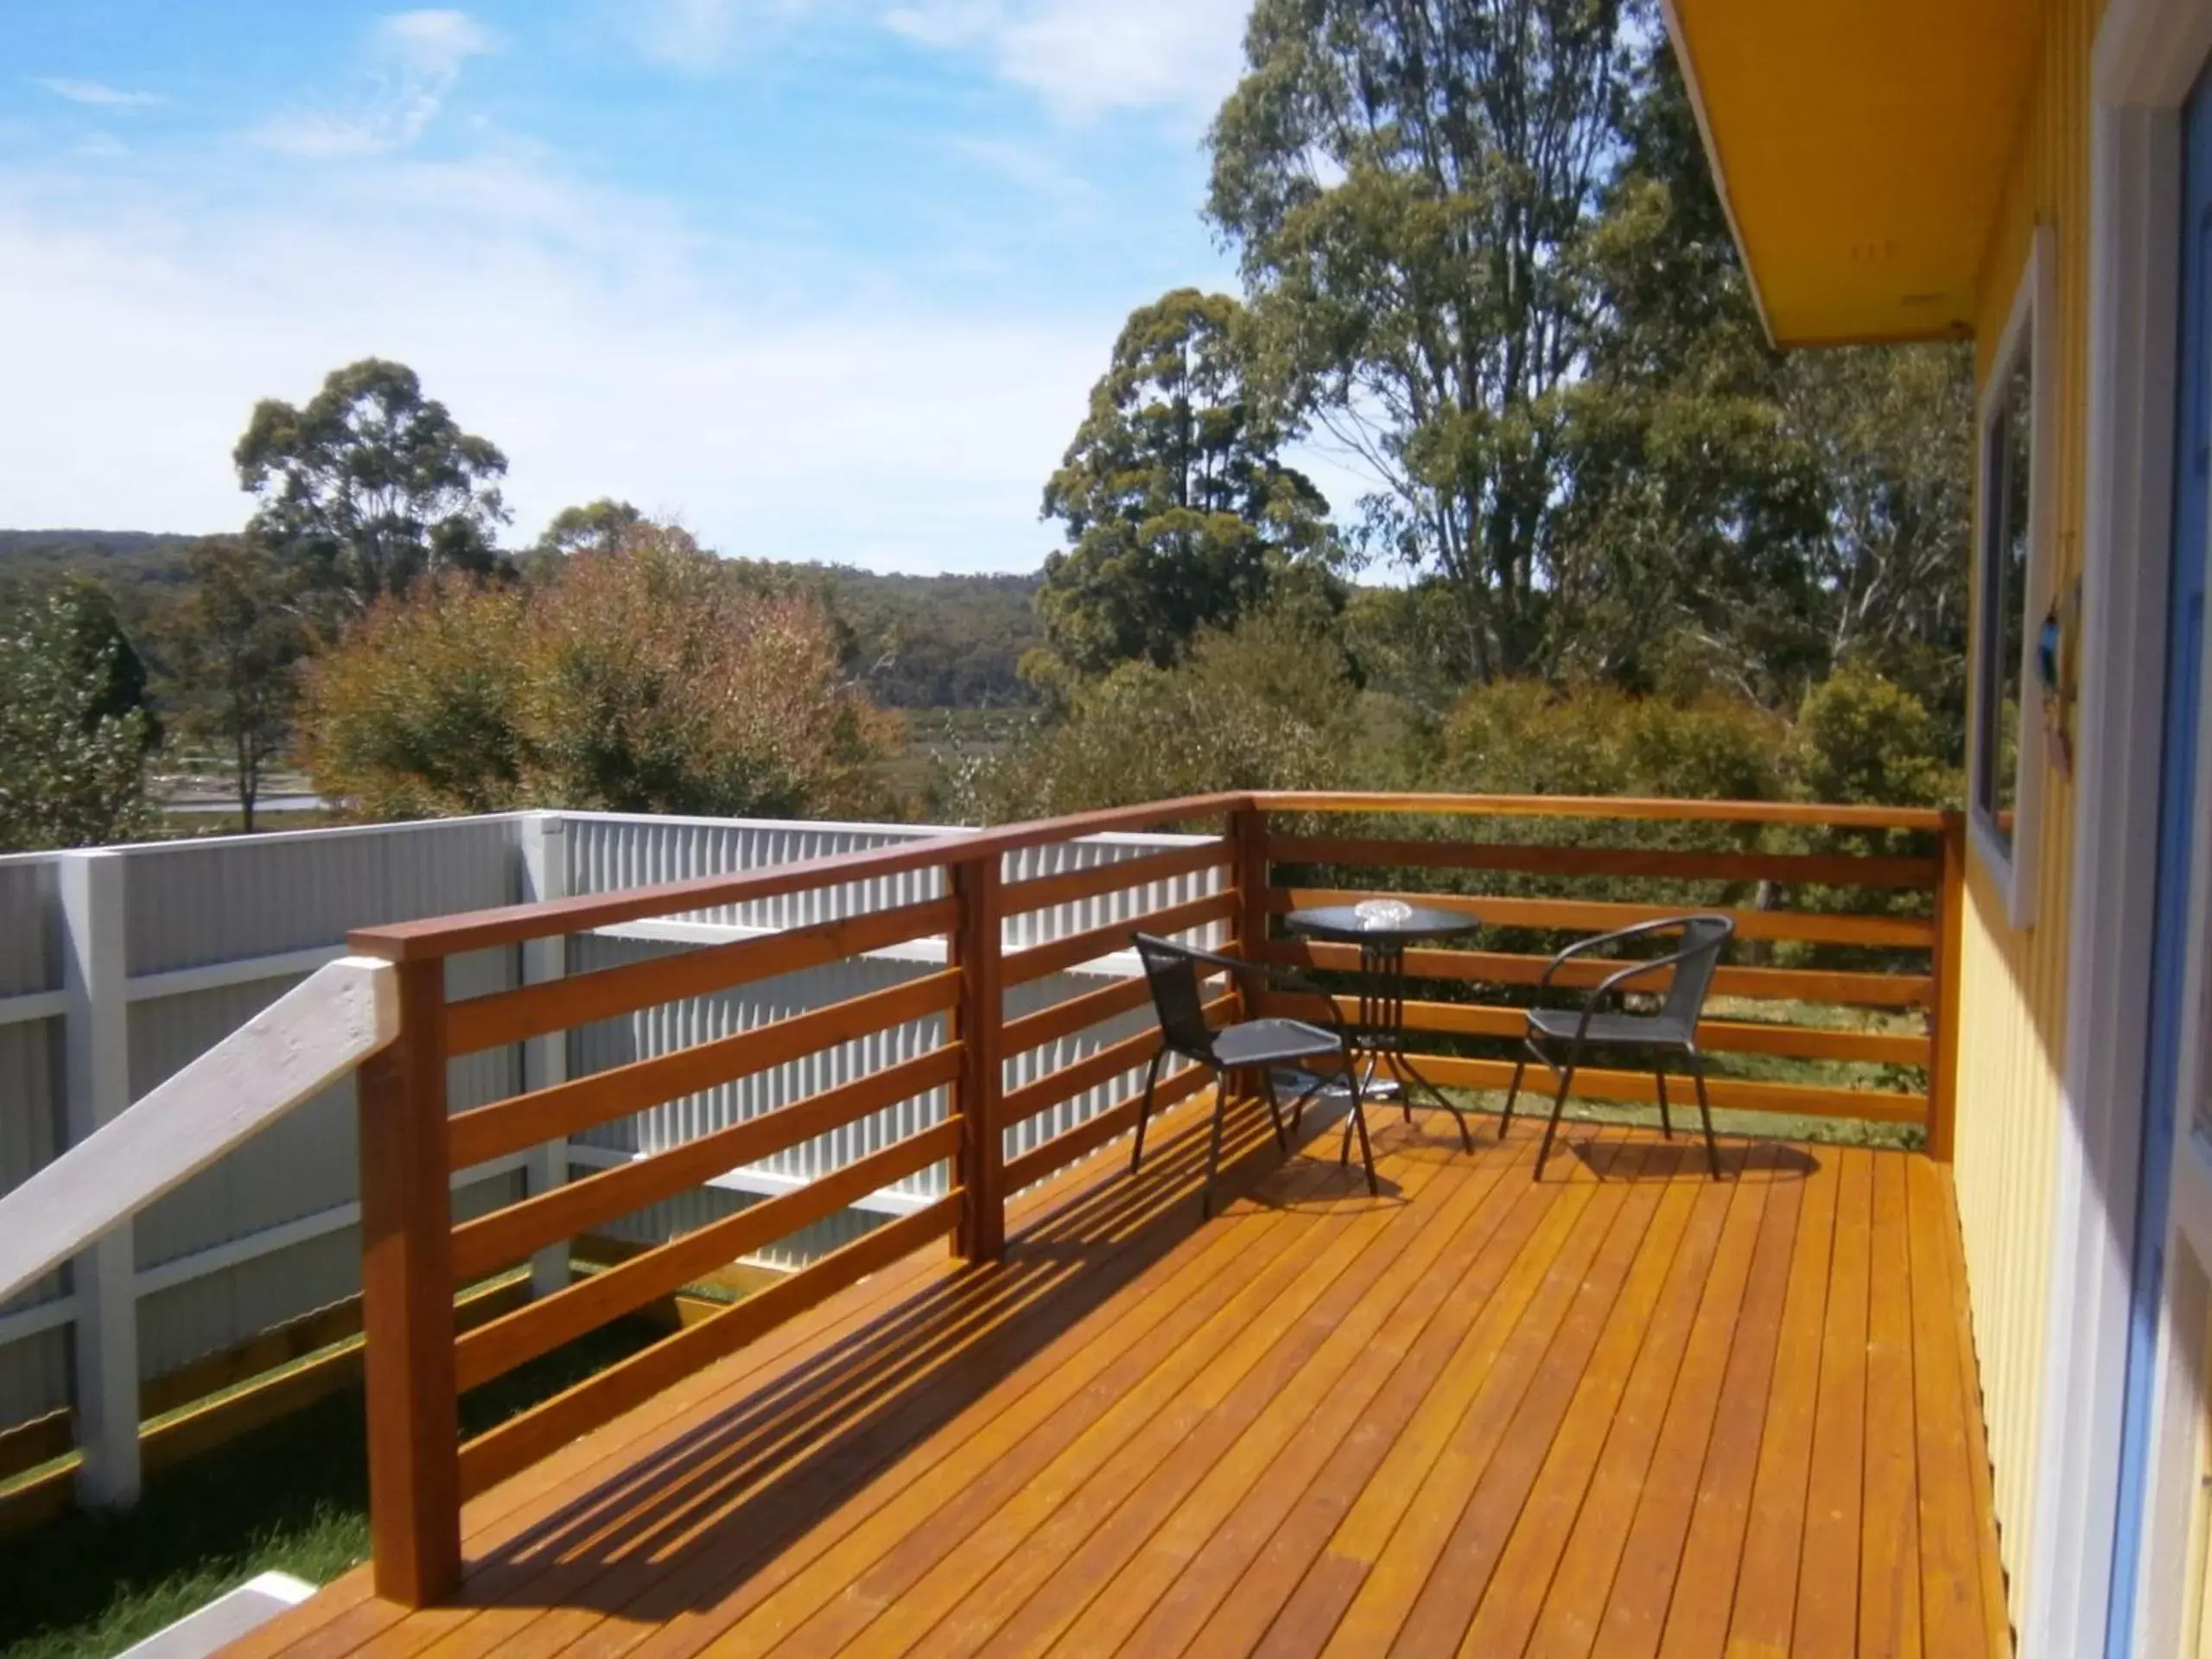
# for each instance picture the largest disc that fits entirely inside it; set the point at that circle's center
(1271, 705)
(1519, 737)
(1861, 737)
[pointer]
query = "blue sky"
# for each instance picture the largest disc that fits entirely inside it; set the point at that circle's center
(825, 279)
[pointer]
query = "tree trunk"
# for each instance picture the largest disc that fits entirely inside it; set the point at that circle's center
(248, 785)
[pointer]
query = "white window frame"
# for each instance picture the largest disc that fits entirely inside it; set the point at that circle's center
(2034, 318)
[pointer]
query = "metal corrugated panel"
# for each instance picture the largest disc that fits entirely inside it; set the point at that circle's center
(34, 1370)
(219, 1310)
(30, 1114)
(190, 902)
(34, 1377)
(30, 942)
(609, 851)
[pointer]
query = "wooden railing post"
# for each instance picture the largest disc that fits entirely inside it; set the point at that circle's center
(1943, 1011)
(978, 1024)
(407, 1301)
(1248, 873)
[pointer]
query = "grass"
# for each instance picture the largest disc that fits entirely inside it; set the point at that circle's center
(291, 1496)
(1535, 1104)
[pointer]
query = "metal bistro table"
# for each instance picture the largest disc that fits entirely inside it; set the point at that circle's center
(1382, 929)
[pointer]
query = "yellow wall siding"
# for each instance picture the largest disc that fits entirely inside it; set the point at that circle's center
(2013, 983)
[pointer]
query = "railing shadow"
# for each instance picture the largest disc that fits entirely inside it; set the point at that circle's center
(685, 1526)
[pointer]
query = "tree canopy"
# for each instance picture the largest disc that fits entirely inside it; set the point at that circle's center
(237, 641)
(1404, 187)
(74, 727)
(1735, 516)
(370, 484)
(648, 677)
(1179, 513)
(596, 526)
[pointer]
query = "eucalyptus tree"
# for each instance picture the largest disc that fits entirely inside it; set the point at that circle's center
(1404, 181)
(370, 484)
(1179, 512)
(238, 640)
(1734, 515)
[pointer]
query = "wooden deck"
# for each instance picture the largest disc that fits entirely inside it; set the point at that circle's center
(1627, 1411)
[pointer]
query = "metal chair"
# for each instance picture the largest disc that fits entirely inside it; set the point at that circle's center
(1672, 1030)
(1173, 971)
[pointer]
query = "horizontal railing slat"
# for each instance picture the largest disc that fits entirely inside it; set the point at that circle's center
(1820, 815)
(491, 1350)
(1092, 1070)
(1056, 955)
(525, 1438)
(1728, 1036)
(1683, 864)
(1766, 984)
(1075, 1014)
(528, 1011)
(506, 1237)
(1093, 1133)
(1596, 915)
(566, 1107)
(1116, 876)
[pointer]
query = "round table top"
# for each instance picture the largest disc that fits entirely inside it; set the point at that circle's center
(1344, 922)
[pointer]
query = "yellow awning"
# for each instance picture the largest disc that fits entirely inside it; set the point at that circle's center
(1861, 147)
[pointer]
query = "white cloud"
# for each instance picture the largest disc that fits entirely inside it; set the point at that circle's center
(1084, 58)
(1027, 165)
(698, 35)
(785, 407)
(415, 59)
(97, 93)
(433, 44)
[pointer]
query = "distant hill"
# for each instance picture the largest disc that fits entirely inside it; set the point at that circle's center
(917, 642)
(938, 642)
(125, 557)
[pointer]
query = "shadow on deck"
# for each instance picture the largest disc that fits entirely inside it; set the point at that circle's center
(1626, 1410)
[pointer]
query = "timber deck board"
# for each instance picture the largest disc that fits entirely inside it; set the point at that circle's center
(1627, 1410)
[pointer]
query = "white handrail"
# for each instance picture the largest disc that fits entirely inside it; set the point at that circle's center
(317, 1031)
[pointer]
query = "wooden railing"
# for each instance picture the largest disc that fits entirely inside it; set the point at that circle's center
(418, 1365)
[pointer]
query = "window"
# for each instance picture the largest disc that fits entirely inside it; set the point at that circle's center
(2011, 579)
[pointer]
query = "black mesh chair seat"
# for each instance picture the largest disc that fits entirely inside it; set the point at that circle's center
(1265, 1042)
(1681, 979)
(1173, 971)
(1607, 1030)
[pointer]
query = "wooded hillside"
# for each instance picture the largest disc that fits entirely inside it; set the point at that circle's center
(914, 642)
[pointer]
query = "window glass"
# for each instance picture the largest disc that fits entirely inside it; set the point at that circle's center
(2008, 449)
